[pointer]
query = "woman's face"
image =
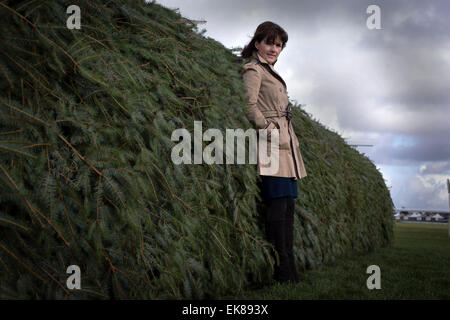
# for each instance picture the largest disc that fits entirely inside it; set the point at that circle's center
(269, 52)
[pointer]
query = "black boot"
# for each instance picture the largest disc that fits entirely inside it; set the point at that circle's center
(276, 235)
(289, 229)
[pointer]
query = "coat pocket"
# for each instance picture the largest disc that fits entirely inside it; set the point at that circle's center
(284, 138)
(269, 131)
(272, 125)
(283, 134)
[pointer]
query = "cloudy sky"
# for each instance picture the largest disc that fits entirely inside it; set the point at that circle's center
(385, 87)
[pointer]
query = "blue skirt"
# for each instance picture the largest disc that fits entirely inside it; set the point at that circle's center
(277, 187)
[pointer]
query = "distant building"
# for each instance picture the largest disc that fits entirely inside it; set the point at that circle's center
(420, 215)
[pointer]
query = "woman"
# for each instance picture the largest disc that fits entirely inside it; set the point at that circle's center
(268, 107)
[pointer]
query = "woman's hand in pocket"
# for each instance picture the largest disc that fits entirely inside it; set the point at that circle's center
(270, 127)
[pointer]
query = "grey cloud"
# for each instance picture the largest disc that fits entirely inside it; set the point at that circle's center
(437, 168)
(426, 148)
(418, 195)
(416, 23)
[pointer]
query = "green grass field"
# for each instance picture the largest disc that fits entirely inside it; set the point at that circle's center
(416, 266)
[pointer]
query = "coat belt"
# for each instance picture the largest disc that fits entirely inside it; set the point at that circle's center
(277, 114)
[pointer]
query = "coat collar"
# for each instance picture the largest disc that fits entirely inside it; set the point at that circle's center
(263, 61)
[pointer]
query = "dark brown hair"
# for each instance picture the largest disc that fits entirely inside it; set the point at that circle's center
(266, 30)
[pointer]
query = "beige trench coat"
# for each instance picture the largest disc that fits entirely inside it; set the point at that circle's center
(266, 99)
